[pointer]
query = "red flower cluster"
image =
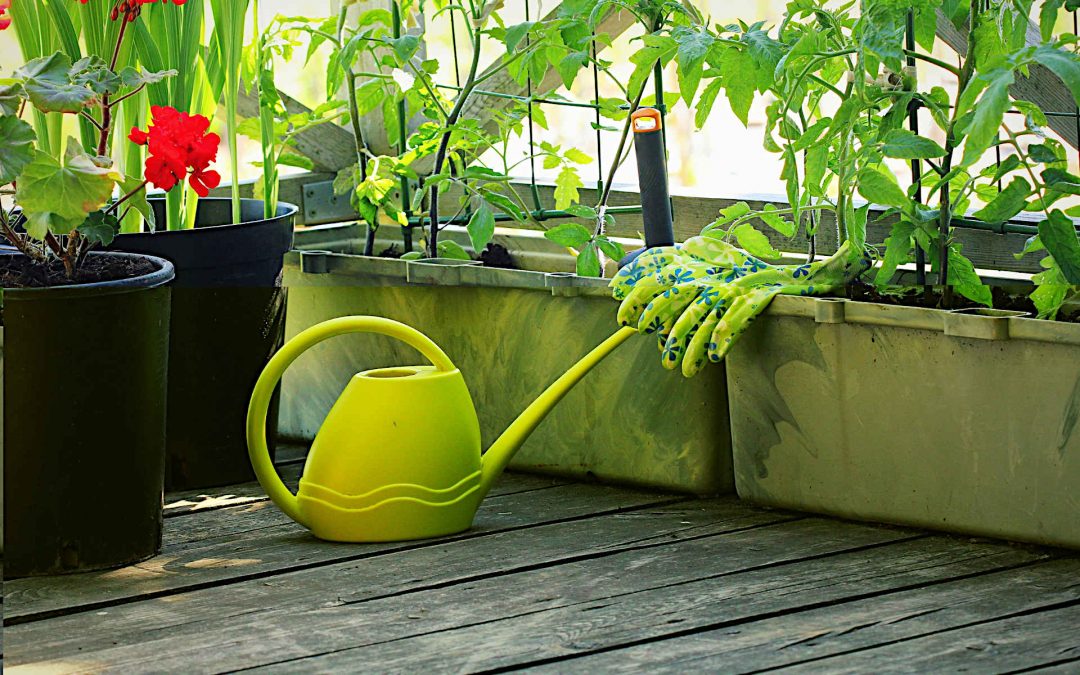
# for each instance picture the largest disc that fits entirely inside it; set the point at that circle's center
(5, 21)
(130, 9)
(177, 143)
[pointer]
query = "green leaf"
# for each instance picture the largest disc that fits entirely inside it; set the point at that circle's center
(297, 160)
(706, 101)
(1042, 154)
(48, 83)
(100, 228)
(903, 144)
(690, 57)
(612, 249)
(405, 47)
(588, 262)
(781, 225)
(10, 99)
(963, 278)
(138, 201)
(738, 71)
(989, 111)
(880, 187)
(1048, 18)
(571, 235)
(453, 250)
(61, 195)
(897, 251)
(570, 65)
(1007, 204)
(566, 187)
(412, 255)
(481, 227)
(754, 242)
(577, 156)
(132, 77)
(369, 96)
(581, 211)
(16, 147)
(515, 34)
(504, 203)
(1061, 181)
(1059, 236)
(93, 72)
(1066, 65)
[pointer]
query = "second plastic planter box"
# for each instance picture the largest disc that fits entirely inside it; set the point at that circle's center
(959, 421)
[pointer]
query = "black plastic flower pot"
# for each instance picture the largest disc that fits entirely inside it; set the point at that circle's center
(84, 370)
(228, 318)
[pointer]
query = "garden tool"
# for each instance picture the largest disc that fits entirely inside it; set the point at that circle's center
(648, 126)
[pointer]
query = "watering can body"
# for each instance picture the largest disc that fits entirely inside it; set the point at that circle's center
(398, 456)
(379, 471)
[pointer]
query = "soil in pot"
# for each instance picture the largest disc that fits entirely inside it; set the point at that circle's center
(1005, 298)
(18, 271)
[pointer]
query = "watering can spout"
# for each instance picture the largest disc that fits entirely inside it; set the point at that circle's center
(500, 453)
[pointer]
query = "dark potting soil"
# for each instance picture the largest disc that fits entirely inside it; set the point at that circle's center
(934, 298)
(18, 271)
(496, 255)
(391, 252)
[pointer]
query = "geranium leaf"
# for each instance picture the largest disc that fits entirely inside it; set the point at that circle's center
(48, 84)
(100, 228)
(136, 78)
(63, 194)
(16, 147)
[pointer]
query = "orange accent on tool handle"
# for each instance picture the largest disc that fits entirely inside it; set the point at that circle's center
(646, 120)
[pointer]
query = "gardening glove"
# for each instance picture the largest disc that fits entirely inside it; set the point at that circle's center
(699, 296)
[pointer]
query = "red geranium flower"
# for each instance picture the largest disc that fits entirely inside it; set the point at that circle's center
(179, 147)
(5, 21)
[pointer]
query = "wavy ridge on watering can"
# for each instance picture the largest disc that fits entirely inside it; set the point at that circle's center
(377, 472)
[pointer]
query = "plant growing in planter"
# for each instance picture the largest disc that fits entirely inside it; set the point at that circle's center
(88, 493)
(382, 71)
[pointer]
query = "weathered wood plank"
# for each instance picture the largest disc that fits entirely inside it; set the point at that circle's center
(329, 146)
(611, 613)
(505, 613)
(1010, 645)
(397, 574)
(806, 637)
(262, 542)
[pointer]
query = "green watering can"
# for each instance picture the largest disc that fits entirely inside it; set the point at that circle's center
(377, 472)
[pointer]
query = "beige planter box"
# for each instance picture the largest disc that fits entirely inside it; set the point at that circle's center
(512, 333)
(946, 420)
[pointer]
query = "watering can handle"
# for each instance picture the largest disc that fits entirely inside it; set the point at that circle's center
(258, 451)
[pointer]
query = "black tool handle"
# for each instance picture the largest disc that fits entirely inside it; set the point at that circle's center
(652, 177)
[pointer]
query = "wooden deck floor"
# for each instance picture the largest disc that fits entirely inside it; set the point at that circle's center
(555, 577)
